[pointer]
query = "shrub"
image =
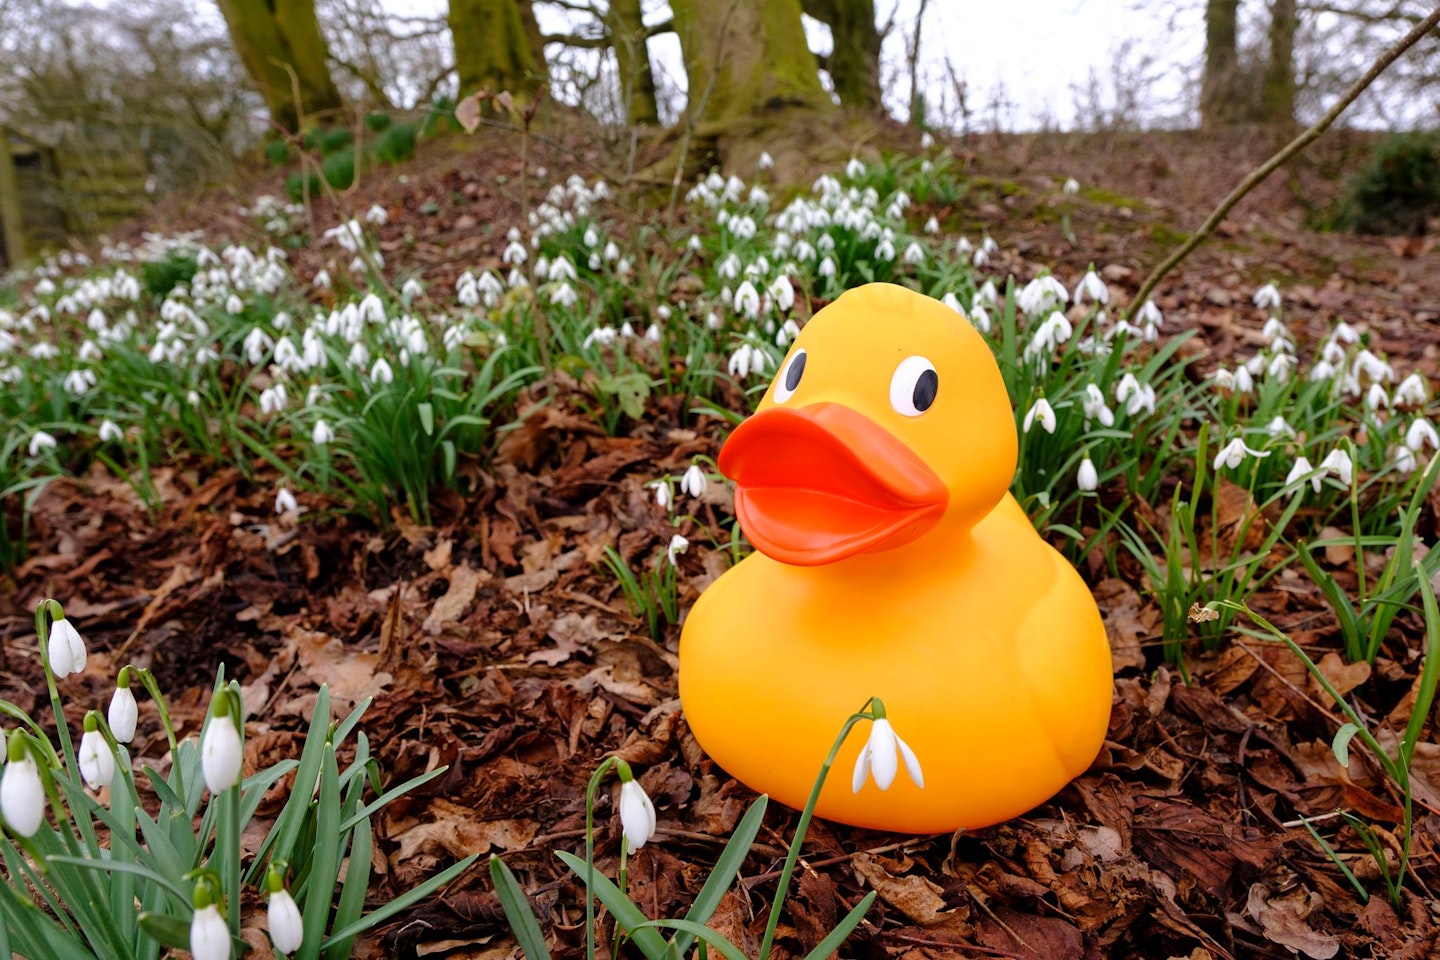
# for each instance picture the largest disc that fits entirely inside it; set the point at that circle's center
(162, 276)
(277, 152)
(1399, 189)
(339, 169)
(377, 121)
(397, 143)
(335, 140)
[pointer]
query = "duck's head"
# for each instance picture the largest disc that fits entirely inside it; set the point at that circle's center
(887, 419)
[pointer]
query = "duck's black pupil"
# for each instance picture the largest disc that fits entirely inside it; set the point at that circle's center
(797, 368)
(925, 388)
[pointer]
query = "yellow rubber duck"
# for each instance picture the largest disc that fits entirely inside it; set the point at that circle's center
(893, 562)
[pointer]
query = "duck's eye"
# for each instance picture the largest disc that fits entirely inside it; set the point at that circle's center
(913, 388)
(789, 378)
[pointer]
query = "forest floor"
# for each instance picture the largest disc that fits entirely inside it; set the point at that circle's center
(495, 642)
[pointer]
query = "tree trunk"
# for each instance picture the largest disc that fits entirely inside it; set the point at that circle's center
(497, 47)
(637, 81)
(855, 59)
(745, 58)
(1219, 105)
(1278, 95)
(275, 37)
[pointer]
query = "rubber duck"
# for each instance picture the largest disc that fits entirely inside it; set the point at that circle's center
(891, 561)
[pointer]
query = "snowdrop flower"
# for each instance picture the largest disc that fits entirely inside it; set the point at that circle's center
(1233, 454)
(980, 258)
(885, 249)
(1044, 413)
(41, 441)
(1411, 391)
(1338, 462)
(663, 495)
(1071, 187)
(880, 757)
(1040, 294)
(766, 161)
(980, 319)
(783, 293)
(1279, 427)
(193, 398)
(22, 795)
(1419, 433)
(747, 300)
(854, 169)
(1267, 297)
(1372, 367)
(1322, 371)
(1050, 334)
(1301, 468)
(322, 434)
(124, 713)
(1376, 397)
(109, 432)
(285, 501)
(322, 280)
(222, 755)
(564, 295)
(514, 253)
(1404, 459)
(914, 253)
(693, 482)
(604, 336)
(1095, 407)
(637, 814)
(789, 330)
(932, 225)
(1086, 479)
(283, 920)
(376, 215)
(1243, 381)
(678, 545)
(209, 934)
(827, 267)
(1332, 353)
(66, 649)
(381, 372)
(1346, 333)
(1149, 315)
(1140, 399)
(1279, 367)
(234, 305)
(652, 333)
(97, 763)
(1092, 286)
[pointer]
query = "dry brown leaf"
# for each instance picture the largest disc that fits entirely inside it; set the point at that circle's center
(464, 581)
(1343, 676)
(455, 831)
(1126, 622)
(1283, 921)
(351, 674)
(914, 896)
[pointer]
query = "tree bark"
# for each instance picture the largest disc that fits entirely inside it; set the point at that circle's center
(497, 47)
(632, 56)
(855, 59)
(746, 57)
(1219, 105)
(1278, 95)
(274, 37)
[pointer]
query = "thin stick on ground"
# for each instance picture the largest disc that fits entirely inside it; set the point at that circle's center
(1259, 174)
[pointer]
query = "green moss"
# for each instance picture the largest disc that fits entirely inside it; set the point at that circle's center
(1109, 198)
(1167, 235)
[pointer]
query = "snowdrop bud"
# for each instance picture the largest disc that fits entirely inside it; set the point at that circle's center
(1404, 459)
(1419, 433)
(285, 501)
(222, 755)
(1071, 187)
(67, 650)
(663, 496)
(1411, 391)
(881, 755)
(693, 483)
(637, 813)
(1267, 297)
(209, 934)
(97, 763)
(1086, 479)
(1043, 412)
(109, 432)
(678, 545)
(652, 333)
(41, 441)
(22, 795)
(766, 161)
(124, 713)
(322, 434)
(282, 918)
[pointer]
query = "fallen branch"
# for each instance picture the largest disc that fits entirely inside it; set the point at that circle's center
(1293, 147)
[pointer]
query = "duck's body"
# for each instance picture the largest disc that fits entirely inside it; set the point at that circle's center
(984, 644)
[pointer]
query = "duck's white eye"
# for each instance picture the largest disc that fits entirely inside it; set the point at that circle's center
(913, 387)
(789, 377)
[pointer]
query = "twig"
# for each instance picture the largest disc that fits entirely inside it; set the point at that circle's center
(1259, 174)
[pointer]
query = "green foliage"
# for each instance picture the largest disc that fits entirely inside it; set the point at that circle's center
(277, 152)
(440, 118)
(296, 186)
(375, 122)
(397, 143)
(1399, 189)
(333, 140)
(162, 276)
(338, 169)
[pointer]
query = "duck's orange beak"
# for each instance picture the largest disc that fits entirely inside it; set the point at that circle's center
(820, 483)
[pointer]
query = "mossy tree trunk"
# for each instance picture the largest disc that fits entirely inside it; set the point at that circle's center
(1278, 95)
(855, 60)
(275, 37)
(498, 47)
(1219, 103)
(12, 226)
(746, 58)
(632, 56)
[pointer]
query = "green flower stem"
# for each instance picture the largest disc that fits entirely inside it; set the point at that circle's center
(147, 680)
(803, 826)
(590, 792)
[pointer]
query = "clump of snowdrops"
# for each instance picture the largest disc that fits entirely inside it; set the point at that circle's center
(880, 759)
(97, 870)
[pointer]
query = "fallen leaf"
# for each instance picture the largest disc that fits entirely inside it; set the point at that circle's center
(1283, 921)
(914, 895)
(458, 596)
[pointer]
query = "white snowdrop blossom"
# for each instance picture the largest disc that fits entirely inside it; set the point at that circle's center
(285, 501)
(1371, 366)
(67, 650)
(1051, 333)
(979, 318)
(376, 215)
(914, 253)
(678, 545)
(1279, 427)
(123, 714)
(1338, 462)
(1404, 459)
(746, 360)
(854, 169)
(1234, 453)
(827, 267)
(1071, 187)
(747, 300)
(22, 796)
(564, 295)
(222, 755)
(322, 434)
(209, 935)
(880, 758)
(1376, 397)
(693, 482)
(1301, 468)
(766, 162)
(885, 249)
(514, 253)
(1042, 412)
(1095, 406)
(1041, 294)
(637, 816)
(1419, 434)
(322, 280)
(1086, 479)
(1093, 287)
(40, 441)
(97, 763)
(109, 431)
(79, 382)
(1267, 297)
(380, 372)
(932, 226)
(664, 496)
(1346, 333)
(283, 920)
(1411, 392)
